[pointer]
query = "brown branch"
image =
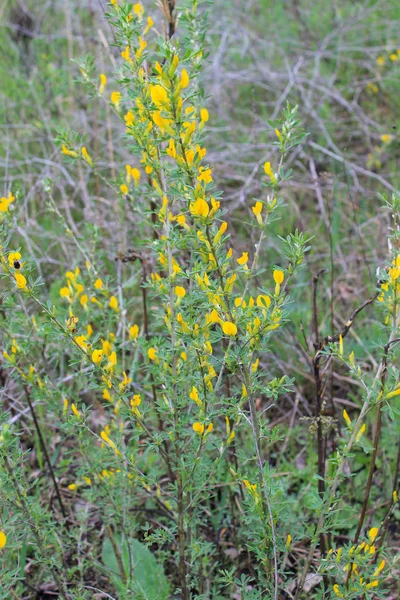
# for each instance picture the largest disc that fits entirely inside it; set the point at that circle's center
(117, 554)
(330, 339)
(46, 454)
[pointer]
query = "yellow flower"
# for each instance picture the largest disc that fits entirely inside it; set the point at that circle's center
(340, 345)
(184, 79)
(254, 365)
(379, 569)
(126, 55)
(242, 260)
(107, 440)
(162, 123)
(75, 410)
(97, 356)
(159, 95)
(257, 209)
(386, 138)
(68, 152)
(230, 438)
(125, 382)
(278, 278)
(136, 401)
(198, 427)
(214, 317)
(149, 25)
(106, 347)
(229, 328)
(205, 175)
(20, 281)
(138, 9)
(288, 541)
(171, 150)
(133, 332)
(107, 395)
(139, 51)
(124, 189)
(98, 284)
(103, 81)
(394, 56)
(360, 433)
(65, 406)
(112, 361)
(194, 395)
(136, 175)
(84, 301)
(395, 392)
(372, 584)
(113, 303)
(86, 156)
(221, 231)
(278, 134)
(337, 591)
(129, 118)
(199, 208)
(72, 487)
(116, 99)
(13, 257)
(347, 418)
(252, 488)
(380, 61)
(269, 172)
(180, 291)
(80, 340)
(152, 354)
(3, 539)
(372, 533)
(263, 301)
(204, 115)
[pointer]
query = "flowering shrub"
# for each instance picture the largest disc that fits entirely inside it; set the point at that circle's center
(154, 386)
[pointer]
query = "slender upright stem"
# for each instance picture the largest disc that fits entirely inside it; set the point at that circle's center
(46, 454)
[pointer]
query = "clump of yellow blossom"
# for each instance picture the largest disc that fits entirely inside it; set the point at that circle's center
(278, 278)
(3, 539)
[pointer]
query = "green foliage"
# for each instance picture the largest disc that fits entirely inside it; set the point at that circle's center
(148, 579)
(157, 353)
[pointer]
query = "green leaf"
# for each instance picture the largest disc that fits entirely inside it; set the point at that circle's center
(149, 580)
